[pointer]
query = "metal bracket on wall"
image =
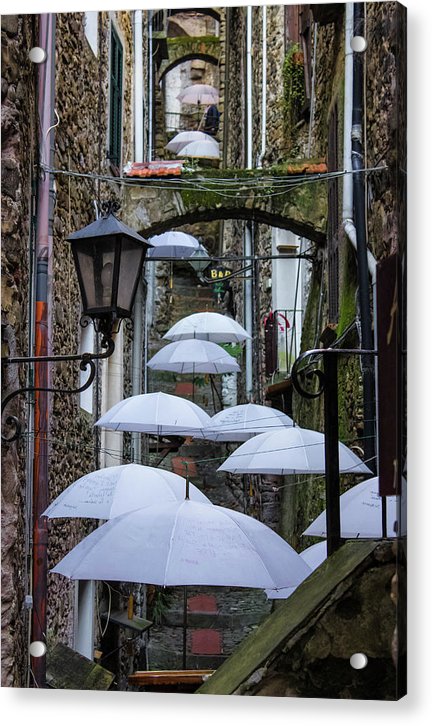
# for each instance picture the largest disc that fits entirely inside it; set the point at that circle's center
(86, 361)
(326, 381)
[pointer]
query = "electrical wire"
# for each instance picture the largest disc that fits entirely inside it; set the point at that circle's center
(282, 184)
(68, 444)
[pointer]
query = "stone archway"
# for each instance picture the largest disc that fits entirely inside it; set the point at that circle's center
(185, 48)
(152, 207)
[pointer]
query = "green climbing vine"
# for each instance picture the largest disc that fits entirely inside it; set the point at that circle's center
(293, 89)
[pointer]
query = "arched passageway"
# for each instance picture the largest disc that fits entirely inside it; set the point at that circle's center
(154, 207)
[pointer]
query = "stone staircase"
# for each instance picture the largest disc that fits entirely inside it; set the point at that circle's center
(218, 619)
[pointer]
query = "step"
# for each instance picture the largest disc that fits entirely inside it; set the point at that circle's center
(206, 641)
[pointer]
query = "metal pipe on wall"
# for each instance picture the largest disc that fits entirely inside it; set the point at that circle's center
(150, 87)
(249, 87)
(43, 253)
(138, 318)
(359, 203)
(263, 87)
(247, 242)
(138, 86)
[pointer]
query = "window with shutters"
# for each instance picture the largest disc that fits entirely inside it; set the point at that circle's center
(333, 221)
(116, 92)
(299, 31)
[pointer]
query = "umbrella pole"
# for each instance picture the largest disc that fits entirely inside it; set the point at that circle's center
(214, 388)
(213, 395)
(331, 442)
(185, 588)
(184, 625)
(384, 516)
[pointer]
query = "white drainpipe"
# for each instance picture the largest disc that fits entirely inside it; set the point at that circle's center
(150, 87)
(263, 87)
(347, 199)
(137, 346)
(138, 85)
(249, 88)
(347, 203)
(247, 246)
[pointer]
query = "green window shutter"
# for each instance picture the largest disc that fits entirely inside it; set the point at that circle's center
(116, 92)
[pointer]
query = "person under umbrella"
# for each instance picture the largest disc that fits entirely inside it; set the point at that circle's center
(210, 120)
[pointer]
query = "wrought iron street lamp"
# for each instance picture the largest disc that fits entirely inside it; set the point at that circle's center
(108, 258)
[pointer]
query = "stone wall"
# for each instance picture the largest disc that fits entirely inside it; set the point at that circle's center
(315, 662)
(350, 604)
(80, 146)
(18, 137)
(234, 151)
(386, 126)
(81, 100)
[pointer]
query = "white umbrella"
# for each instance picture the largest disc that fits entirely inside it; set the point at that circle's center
(193, 356)
(186, 137)
(159, 414)
(208, 326)
(239, 423)
(186, 543)
(115, 490)
(314, 556)
(200, 150)
(174, 244)
(361, 513)
(199, 93)
(289, 451)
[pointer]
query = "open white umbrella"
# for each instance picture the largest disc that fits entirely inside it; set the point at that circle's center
(240, 423)
(202, 149)
(313, 556)
(160, 414)
(199, 93)
(193, 356)
(289, 451)
(186, 543)
(174, 244)
(215, 327)
(112, 491)
(361, 513)
(186, 137)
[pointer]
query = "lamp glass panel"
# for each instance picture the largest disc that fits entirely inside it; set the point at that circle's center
(96, 271)
(131, 261)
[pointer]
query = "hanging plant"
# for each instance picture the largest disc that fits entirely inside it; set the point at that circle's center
(293, 88)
